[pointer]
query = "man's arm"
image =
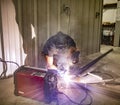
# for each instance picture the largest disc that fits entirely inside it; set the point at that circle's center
(50, 64)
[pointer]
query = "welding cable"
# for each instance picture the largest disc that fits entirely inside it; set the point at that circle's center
(3, 74)
(5, 66)
(4, 61)
(91, 99)
(81, 102)
(77, 102)
(107, 74)
(86, 95)
(68, 98)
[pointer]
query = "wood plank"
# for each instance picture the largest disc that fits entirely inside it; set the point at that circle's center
(35, 29)
(97, 33)
(42, 28)
(75, 21)
(91, 26)
(53, 16)
(85, 25)
(42, 20)
(64, 23)
(80, 33)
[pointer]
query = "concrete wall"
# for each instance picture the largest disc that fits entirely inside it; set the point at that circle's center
(113, 16)
(109, 15)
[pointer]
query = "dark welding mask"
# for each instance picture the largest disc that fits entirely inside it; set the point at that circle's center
(75, 57)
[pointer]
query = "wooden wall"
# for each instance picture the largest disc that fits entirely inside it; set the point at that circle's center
(27, 24)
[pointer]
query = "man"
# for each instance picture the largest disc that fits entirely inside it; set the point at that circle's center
(60, 51)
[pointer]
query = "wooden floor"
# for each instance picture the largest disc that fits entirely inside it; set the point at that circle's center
(102, 93)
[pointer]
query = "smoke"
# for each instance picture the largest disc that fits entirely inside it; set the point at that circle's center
(62, 57)
(64, 62)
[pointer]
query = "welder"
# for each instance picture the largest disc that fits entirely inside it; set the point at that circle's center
(60, 47)
(60, 52)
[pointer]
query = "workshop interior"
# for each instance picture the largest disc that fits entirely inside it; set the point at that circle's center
(26, 25)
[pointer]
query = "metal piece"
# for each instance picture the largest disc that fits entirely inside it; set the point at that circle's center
(83, 69)
(36, 68)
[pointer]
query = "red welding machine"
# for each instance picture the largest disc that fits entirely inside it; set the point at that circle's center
(29, 82)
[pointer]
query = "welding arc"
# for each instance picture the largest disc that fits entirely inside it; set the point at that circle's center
(84, 68)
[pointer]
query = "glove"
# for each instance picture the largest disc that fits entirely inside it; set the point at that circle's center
(50, 86)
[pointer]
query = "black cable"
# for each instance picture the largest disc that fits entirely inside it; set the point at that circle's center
(9, 62)
(5, 66)
(103, 73)
(4, 71)
(68, 98)
(76, 102)
(86, 95)
(84, 98)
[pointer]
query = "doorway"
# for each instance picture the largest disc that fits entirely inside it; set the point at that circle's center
(108, 22)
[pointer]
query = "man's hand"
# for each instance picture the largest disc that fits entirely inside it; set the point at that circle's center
(50, 64)
(52, 67)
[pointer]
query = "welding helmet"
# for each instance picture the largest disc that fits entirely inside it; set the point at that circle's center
(75, 57)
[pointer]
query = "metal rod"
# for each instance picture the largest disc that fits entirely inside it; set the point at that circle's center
(84, 68)
(36, 68)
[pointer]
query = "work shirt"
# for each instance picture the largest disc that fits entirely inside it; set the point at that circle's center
(58, 47)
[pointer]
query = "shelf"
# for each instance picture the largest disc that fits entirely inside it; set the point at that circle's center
(109, 25)
(110, 6)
